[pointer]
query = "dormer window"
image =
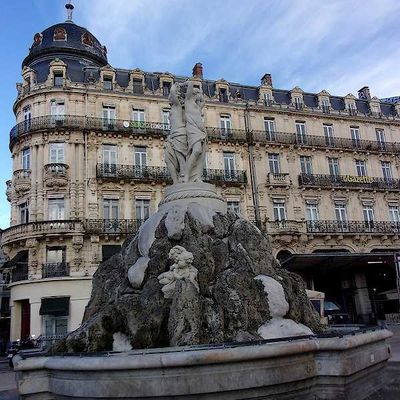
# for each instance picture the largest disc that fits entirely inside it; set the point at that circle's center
(137, 86)
(325, 106)
(268, 99)
(352, 109)
(107, 83)
(87, 39)
(60, 34)
(166, 87)
(298, 103)
(58, 78)
(223, 95)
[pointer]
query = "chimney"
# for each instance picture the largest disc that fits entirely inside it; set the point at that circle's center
(364, 93)
(267, 80)
(198, 70)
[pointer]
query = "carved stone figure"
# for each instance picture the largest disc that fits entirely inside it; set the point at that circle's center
(176, 146)
(196, 133)
(182, 268)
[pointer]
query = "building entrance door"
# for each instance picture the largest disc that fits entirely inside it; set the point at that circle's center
(25, 319)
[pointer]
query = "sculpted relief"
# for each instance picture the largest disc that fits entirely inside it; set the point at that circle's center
(186, 145)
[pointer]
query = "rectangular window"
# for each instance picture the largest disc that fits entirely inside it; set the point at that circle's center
(56, 153)
(223, 95)
(166, 88)
(55, 325)
(58, 79)
(380, 138)
(229, 165)
(166, 121)
(273, 161)
(387, 170)
(355, 136)
(27, 118)
(137, 86)
(361, 168)
(107, 83)
(142, 209)
(369, 218)
(394, 215)
(306, 165)
(341, 216)
(301, 134)
(334, 168)
(23, 213)
(225, 125)
(325, 106)
(109, 117)
(56, 209)
(268, 99)
(312, 211)
(56, 255)
(270, 129)
(298, 103)
(110, 159)
(138, 115)
(279, 207)
(328, 133)
(233, 206)
(111, 209)
(57, 112)
(140, 157)
(352, 109)
(26, 158)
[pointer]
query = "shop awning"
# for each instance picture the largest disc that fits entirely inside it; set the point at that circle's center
(56, 306)
(20, 258)
(333, 260)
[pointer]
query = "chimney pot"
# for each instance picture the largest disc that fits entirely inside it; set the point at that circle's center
(198, 70)
(364, 93)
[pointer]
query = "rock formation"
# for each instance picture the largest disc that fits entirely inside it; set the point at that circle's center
(220, 292)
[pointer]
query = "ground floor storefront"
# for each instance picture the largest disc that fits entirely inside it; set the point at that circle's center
(362, 286)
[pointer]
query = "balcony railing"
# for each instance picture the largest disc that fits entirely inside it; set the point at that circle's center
(337, 227)
(133, 172)
(55, 270)
(112, 226)
(349, 181)
(22, 174)
(161, 174)
(56, 170)
(21, 231)
(19, 272)
(324, 142)
(227, 134)
(278, 179)
(284, 227)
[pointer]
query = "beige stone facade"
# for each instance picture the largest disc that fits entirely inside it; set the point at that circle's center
(88, 167)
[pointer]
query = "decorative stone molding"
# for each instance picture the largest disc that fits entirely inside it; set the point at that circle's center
(56, 175)
(57, 66)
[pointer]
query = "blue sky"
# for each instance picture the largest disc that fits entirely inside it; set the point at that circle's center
(337, 45)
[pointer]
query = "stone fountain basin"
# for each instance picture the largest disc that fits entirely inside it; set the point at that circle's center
(347, 367)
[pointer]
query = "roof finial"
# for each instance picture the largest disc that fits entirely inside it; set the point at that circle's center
(69, 8)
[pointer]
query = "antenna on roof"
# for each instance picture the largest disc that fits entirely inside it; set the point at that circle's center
(69, 8)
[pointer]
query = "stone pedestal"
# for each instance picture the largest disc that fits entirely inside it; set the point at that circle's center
(182, 194)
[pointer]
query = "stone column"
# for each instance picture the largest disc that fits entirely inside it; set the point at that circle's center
(40, 190)
(361, 298)
(34, 184)
(80, 164)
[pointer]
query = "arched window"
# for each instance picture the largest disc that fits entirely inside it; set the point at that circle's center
(37, 39)
(60, 34)
(87, 39)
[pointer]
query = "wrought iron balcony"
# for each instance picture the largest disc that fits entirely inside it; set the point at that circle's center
(349, 181)
(112, 226)
(133, 172)
(225, 177)
(55, 270)
(19, 272)
(56, 174)
(273, 137)
(22, 180)
(352, 227)
(227, 134)
(40, 228)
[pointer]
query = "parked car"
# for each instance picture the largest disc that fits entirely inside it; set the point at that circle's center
(335, 314)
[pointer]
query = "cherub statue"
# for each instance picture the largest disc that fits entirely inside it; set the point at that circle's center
(182, 268)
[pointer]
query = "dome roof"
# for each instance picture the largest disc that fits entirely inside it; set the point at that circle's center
(66, 38)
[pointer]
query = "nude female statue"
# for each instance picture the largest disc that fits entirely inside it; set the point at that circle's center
(176, 146)
(196, 133)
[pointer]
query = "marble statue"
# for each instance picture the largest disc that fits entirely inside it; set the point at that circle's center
(176, 146)
(186, 145)
(196, 133)
(182, 268)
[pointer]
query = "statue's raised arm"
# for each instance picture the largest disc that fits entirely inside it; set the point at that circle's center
(196, 133)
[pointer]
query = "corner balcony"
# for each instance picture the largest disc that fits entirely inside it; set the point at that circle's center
(278, 180)
(353, 227)
(56, 175)
(55, 270)
(323, 142)
(122, 227)
(348, 181)
(31, 230)
(22, 180)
